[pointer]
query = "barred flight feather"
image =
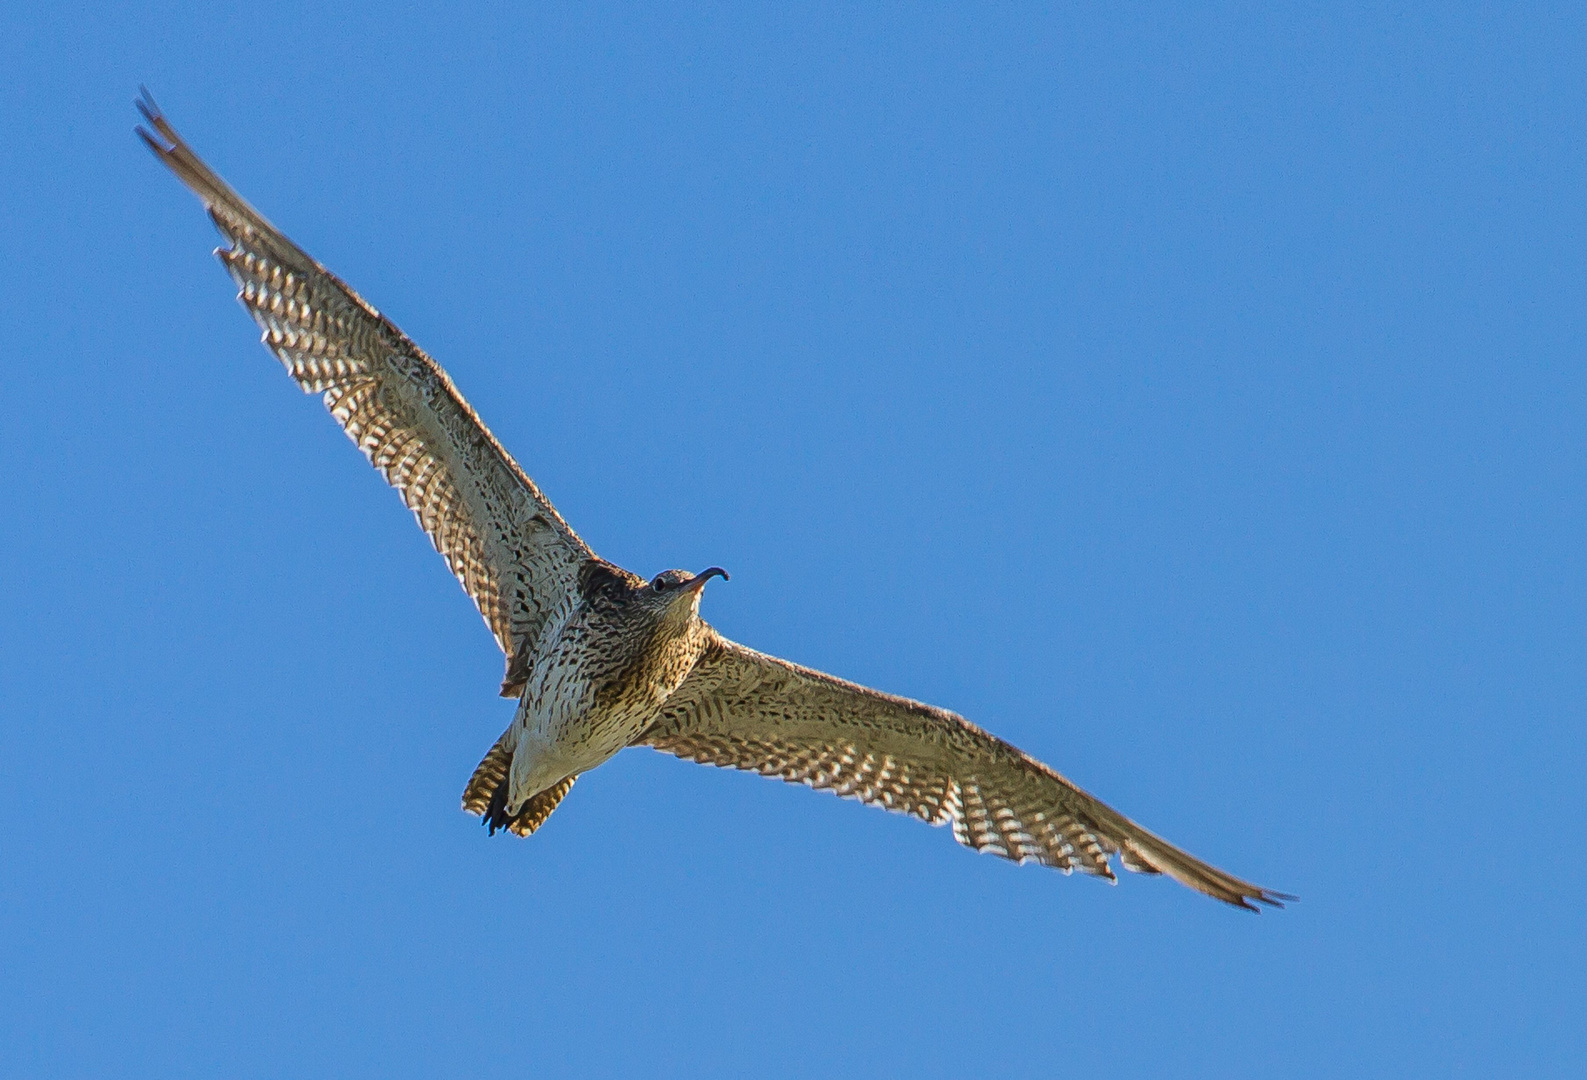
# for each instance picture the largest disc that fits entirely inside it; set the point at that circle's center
(503, 540)
(742, 709)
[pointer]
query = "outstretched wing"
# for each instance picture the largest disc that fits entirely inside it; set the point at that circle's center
(746, 710)
(503, 539)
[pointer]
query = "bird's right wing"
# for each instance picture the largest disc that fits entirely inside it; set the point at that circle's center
(746, 710)
(511, 550)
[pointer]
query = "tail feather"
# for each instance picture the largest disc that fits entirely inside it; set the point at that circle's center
(489, 777)
(486, 794)
(533, 813)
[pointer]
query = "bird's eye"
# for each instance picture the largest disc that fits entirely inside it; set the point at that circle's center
(659, 584)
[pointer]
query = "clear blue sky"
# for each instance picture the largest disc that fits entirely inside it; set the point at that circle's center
(1193, 397)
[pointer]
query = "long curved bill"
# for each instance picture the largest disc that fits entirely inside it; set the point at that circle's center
(706, 575)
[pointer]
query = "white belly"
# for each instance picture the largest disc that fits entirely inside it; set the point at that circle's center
(561, 730)
(590, 692)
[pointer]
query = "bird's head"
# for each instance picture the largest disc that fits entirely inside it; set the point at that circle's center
(675, 594)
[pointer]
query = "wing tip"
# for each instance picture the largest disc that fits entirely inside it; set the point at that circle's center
(1263, 898)
(1145, 852)
(230, 211)
(146, 105)
(168, 141)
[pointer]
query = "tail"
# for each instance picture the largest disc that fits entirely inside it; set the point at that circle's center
(486, 794)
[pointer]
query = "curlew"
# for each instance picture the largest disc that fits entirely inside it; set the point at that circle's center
(600, 659)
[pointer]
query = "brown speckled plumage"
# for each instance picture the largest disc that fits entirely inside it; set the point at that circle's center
(601, 659)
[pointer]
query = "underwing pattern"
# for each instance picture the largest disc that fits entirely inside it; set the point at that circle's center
(745, 710)
(514, 555)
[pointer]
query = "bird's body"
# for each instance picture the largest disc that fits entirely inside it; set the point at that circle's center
(600, 659)
(605, 665)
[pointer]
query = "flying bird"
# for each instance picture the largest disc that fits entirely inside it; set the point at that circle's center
(600, 659)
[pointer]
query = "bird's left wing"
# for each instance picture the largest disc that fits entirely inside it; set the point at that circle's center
(746, 710)
(511, 550)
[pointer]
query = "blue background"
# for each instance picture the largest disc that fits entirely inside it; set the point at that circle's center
(1192, 396)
